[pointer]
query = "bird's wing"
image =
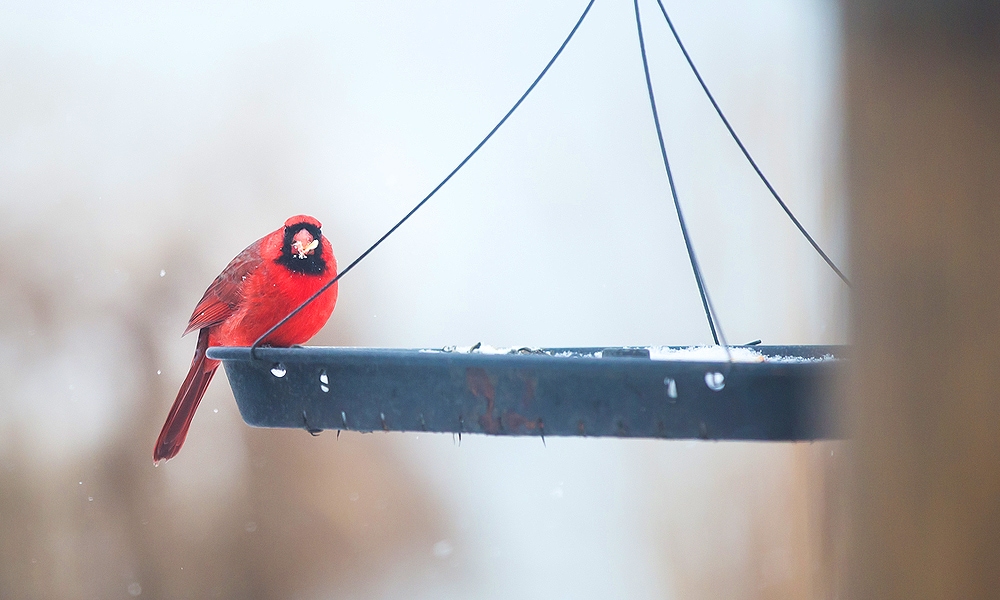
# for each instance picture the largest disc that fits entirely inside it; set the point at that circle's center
(224, 295)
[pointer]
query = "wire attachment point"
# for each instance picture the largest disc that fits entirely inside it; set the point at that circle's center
(713, 319)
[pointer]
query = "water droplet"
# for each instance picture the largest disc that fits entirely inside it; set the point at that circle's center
(251, 526)
(215, 410)
(134, 589)
(715, 381)
(671, 387)
(443, 549)
(163, 273)
(323, 378)
(81, 483)
(278, 370)
(90, 498)
(158, 371)
(324, 388)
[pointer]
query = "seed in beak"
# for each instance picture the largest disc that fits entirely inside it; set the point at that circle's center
(303, 250)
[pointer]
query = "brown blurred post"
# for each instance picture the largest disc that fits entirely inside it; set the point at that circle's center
(923, 106)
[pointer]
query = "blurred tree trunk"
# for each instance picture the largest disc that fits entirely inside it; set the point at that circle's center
(923, 127)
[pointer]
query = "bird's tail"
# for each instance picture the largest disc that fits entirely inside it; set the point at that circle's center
(175, 429)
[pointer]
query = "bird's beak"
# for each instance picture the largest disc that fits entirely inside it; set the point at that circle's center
(303, 250)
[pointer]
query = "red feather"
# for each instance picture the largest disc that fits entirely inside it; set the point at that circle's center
(258, 288)
(224, 295)
(188, 398)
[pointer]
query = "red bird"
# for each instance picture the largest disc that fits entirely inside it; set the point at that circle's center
(264, 283)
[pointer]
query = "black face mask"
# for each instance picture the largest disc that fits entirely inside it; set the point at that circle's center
(312, 264)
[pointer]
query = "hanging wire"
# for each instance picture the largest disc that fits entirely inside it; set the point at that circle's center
(713, 320)
(534, 83)
(746, 152)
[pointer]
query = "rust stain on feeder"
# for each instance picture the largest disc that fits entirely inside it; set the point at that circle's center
(478, 382)
(516, 422)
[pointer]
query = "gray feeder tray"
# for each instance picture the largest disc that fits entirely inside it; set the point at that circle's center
(618, 392)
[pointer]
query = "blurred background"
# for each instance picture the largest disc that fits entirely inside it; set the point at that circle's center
(143, 145)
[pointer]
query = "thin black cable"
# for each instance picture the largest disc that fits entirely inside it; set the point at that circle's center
(713, 320)
(256, 344)
(746, 153)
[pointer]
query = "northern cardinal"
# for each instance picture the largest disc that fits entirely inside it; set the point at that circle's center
(264, 283)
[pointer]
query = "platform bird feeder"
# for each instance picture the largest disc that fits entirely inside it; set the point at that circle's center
(776, 393)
